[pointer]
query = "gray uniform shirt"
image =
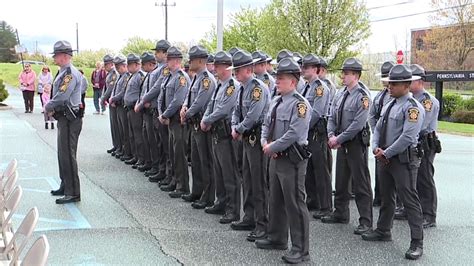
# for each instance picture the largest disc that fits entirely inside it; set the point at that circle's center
(252, 105)
(380, 100)
(174, 90)
(200, 93)
(222, 102)
(268, 80)
(110, 81)
(354, 114)
(431, 106)
(84, 84)
(132, 92)
(119, 89)
(152, 93)
(292, 120)
(317, 94)
(403, 126)
(301, 85)
(66, 89)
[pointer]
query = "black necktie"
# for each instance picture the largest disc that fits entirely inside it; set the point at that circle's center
(273, 120)
(52, 91)
(306, 90)
(214, 98)
(341, 109)
(380, 104)
(383, 130)
(189, 92)
(163, 102)
(240, 102)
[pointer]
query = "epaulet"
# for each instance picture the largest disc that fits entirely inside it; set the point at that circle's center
(231, 82)
(205, 74)
(298, 96)
(255, 81)
(363, 91)
(427, 95)
(141, 73)
(266, 76)
(180, 72)
(318, 82)
(68, 70)
(412, 101)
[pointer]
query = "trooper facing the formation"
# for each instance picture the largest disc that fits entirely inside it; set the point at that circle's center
(318, 177)
(284, 137)
(64, 106)
(395, 147)
(348, 132)
(382, 98)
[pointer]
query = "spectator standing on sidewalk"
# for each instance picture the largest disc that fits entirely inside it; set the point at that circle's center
(27, 80)
(44, 78)
(98, 84)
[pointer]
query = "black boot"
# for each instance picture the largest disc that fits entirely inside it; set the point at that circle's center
(52, 125)
(45, 125)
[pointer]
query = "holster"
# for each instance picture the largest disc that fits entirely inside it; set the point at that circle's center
(195, 121)
(221, 130)
(364, 135)
(296, 153)
(411, 155)
(253, 135)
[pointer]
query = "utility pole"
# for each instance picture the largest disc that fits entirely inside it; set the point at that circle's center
(77, 37)
(165, 5)
(220, 25)
(21, 54)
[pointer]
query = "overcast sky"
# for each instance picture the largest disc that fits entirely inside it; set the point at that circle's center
(108, 23)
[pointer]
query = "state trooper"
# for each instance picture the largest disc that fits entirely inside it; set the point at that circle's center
(260, 70)
(323, 71)
(395, 147)
(217, 120)
(210, 64)
(110, 80)
(270, 69)
(135, 120)
(116, 101)
(234, 50)
(382, 98)
(64, 106)
(348, 132)
(247, 119)
(425, 183)
(284, 137)
(173, 93)
(200, 92)
(148, 129)
(161, 167)
(298, 58)
(284, 54)
(318, 176)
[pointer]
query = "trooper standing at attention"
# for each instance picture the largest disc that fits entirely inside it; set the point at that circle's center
(395, 147)
(110, 80)
(64, 106)
(348, 132)
(260, 70)
(284, 137)
(382, 98)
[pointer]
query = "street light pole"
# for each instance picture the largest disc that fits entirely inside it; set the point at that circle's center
(220, 24)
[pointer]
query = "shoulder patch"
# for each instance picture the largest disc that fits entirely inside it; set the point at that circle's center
(67, 78)
(319, 91)
(182, 81)
(413, 114)
(230, 90)
(365, 102)
(256, 93)
(166, 71)
(427, 104)
(206, 83)
(302, 108)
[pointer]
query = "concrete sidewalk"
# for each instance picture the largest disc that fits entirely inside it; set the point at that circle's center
(123, 219)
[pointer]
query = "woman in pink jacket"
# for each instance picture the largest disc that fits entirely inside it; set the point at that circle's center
(27, 80)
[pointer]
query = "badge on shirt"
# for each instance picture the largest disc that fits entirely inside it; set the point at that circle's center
(166, 71)
(65, 83)
(302, 108)
(267, 82)
(365, 102)
(256, 94)
(413, 114)
(114, 76)
(319, 91)
(206, 83)
(182, 81)
(428, 104)
(230, 90)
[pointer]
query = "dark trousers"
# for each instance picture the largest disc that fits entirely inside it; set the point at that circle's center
(227, 181)
(352, 166)
(123, 128)
(41, 98)
(201, 165)
(114, 129)
(178, 154)
(97, 95)
(426, 185)
(400, 178)
(28, 100)
(318, 175)
(255, 189)
(68, 137)
(377, 195)
(287, 204)
(162, 139)
(150, 141)
(135, 127)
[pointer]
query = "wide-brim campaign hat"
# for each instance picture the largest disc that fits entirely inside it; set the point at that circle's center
(162, 45)
(174, 52)
(283, 54)
(242, 59)
(260, 56)
(108, 59)
(62, 47)
(288, 66)
(400, 73)
(198, 51)
(223, 58)
(385, 69)
(353, 64)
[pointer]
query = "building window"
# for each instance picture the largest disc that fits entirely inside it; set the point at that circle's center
(419, 44)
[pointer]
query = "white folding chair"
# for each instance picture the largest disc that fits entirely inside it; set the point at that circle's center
(6, 188)
(11, 168)
(13, 245)
(9, 208)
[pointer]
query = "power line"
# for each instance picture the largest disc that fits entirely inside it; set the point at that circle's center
(394, 4)
(419, 13)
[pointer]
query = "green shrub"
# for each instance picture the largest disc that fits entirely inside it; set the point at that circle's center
(468, 104)
(464, 117)
(3, 92)
(451, 103)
